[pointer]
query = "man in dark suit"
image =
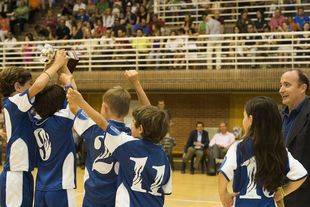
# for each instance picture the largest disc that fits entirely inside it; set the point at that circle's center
(197, 143)
(296, 129)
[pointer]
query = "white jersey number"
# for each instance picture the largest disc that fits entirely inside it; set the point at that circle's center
(44, 143)
(137, 180)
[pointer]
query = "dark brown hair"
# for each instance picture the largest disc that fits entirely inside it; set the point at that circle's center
(269, 148)
(154, 122)
(9, 76)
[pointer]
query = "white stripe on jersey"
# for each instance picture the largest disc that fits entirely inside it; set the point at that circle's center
(19, 160)
(297, 171)
(68, 172)
(113, 142)
(21, 101)
(122, 197)
(14, 189)
(8, 124)
(71, 198)
(82, 122)
(66, 113)
(168, 187)
(230, 161)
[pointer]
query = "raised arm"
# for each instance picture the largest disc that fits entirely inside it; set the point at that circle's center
(47, 75)
(132, 77)
(66, 79)
(74, 97)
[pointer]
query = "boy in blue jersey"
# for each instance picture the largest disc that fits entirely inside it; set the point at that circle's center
(16, 181)
(100, 168)
(144, 174)
(53, 122)
(259, 164)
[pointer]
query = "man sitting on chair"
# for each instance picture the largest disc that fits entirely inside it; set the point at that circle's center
(197, 143)
(219, 145)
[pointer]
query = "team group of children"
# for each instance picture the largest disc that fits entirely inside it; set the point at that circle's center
(124, 167)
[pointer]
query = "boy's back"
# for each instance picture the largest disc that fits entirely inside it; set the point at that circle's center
(56, 165)
(100, 181)
(144, 174)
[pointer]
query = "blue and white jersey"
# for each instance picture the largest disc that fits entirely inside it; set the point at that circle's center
(100, 180)
(145, 175)
(21, 148)
(56, 160)
(240, 166)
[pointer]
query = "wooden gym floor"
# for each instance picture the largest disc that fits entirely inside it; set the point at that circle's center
(197, 190)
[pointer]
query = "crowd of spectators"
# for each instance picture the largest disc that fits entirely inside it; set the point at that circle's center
(109, 19)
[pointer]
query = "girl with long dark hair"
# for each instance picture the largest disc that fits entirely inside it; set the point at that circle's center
(259, 164)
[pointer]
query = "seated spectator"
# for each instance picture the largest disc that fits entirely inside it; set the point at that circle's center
(197, 143)
(304, 42)
(131, 18)
(142, 26)
(276, 21)
(156, 24)
(243, 22)
(219, 145)
(301, 18)
(188, 23)
(251, 44)
(108, 19)
(143, 14)
(27, 49)
(41, 33)
(168, 143)
(51, 21)
(116, 10)
(291, 24)
(1, 34)
(107, 44)
(236, 45)
(82, 15)
(77, 31)
(102, 6)
(10, 47)
(218, 17)
(260, 23)
(4, 23)
(202, 27)
(78, 5)
(156, 45)
(67, 9)
(175, 45)
(118, 26)
(141, 44)
(99, 29)
(21, 15)
(191, 49)
(285, 44)
(91, 7)
(62, 31)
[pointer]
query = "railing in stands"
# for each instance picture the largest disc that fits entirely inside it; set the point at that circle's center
(174, 14)
(227, 51)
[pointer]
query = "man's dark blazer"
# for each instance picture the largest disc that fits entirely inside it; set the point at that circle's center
(193, 138)
(298, 144)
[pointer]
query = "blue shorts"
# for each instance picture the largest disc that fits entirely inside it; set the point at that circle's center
(58, 198)
(16, 189)
(88, 202)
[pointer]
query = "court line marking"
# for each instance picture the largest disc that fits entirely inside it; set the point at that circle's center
(176, 199)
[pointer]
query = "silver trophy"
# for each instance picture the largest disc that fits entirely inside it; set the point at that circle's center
(47, 55)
